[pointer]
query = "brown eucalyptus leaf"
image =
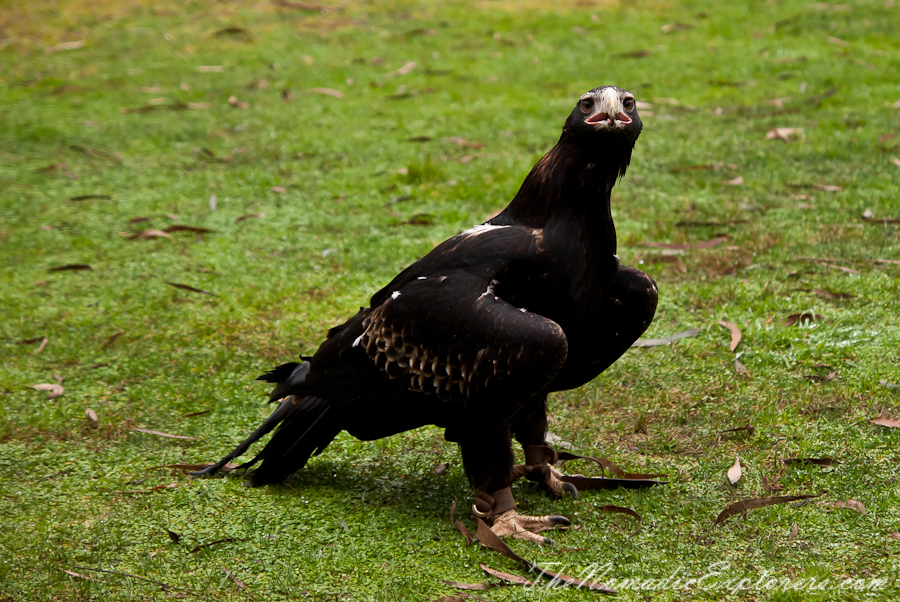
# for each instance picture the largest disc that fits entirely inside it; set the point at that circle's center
(760, 502)
(441, 469)
(185, 287)
(112, 339)
(794, 531)
(734, 473)
(71, 267)
(150, 234)
(785, 134)
(666, 340)
(54, 390)
(185, 228)
(328, 92)
(735, 181)
(623, 510)
(237, 582)
(460, 526)
(88, 197)
(740, 368)
(887, 421)
(750, 430)
(91, 415)
(801, 319)
(175, 537)
(735, 333)
(508, 577)
(75, 574)
(849, 504)
(826, 294)
(161, 434)
(817, 461)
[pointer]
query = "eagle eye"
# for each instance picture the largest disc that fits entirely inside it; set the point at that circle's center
(587, 105)
(628, 104)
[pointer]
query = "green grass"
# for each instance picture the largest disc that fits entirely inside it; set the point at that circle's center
(370, 521)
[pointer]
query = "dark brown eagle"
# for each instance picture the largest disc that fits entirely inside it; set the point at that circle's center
(473, 336)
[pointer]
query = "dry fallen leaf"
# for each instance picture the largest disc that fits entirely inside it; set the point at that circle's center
(185, 287)
(441, 469)
(734, 473)
(328, 92)
(54, 390)
(817, 461)
(849, 504)
(794, 530)
(740, 368)
(734, 182)
(75, 574)
(786, 134)
(666, 340)
(801, 319)
(896, 161)
(91, 415)
(66, 46)
(185, 228)
(749, 429)
(175, 537)
(112, 339)
(623, 510)
(887, 421)
(71, 267)
(150, 234)
(237, 582)
(241, 218)
(760, 502)
(508, 577)
(735, 334)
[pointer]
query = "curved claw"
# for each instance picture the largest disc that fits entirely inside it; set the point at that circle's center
(570, 488)
(526, 527)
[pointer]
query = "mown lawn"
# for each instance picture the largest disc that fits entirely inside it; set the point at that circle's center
(122, 117)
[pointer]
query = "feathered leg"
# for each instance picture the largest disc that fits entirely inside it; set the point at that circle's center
(626, 314)
(488, 461)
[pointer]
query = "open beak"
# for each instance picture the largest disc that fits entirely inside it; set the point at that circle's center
(610, 112)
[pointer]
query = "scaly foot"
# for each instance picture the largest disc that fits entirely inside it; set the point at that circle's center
(526, 527)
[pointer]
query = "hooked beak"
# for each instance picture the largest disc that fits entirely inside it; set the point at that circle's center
(610, 113)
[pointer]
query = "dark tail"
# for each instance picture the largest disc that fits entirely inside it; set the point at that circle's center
(306, 425)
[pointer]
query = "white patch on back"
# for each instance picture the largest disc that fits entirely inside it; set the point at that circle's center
(357, 341)
(421, 278)
(480, 229)
(395, 294)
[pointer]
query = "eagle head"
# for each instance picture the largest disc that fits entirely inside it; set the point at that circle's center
(605, 111)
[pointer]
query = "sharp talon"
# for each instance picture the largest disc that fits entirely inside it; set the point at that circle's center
(548, 542)
(570, 488)
(559, 520)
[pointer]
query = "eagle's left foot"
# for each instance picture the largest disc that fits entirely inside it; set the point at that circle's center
(500, 507)
(526, 527)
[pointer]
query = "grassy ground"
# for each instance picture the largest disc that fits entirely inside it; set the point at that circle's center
(346, 192)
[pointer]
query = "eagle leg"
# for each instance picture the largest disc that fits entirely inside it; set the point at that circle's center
(488, 461)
